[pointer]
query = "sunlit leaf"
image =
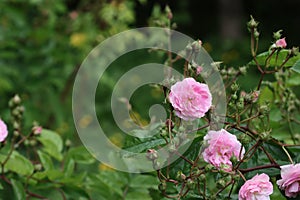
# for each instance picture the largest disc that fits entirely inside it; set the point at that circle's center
(276, 60)
(45, 160)
(18, 163)
(52, 143)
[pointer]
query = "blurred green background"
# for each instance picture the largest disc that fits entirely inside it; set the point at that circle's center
(43, 43)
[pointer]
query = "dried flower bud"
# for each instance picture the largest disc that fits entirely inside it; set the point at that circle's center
(152, 154)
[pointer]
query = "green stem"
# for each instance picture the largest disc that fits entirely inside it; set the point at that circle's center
(259, 167)
(288, 155)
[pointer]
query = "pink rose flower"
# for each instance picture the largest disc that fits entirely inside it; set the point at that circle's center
(3, 131)
(290, 180)
(190, 99)
(222, 145)
(281, 43)
(257, 188)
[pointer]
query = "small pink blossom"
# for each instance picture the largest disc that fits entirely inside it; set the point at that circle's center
(257, 188)
(3, 131)
(243, 93)
(199, 69)
(290, 180)
(255, 96)
(37, 130)
(281, 43)
(222, 145)
(190, 99)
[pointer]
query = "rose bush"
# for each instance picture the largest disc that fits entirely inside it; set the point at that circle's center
(241, 160)
(260, 133)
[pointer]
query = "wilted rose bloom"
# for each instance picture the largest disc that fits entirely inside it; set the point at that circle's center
(290, 180)
(281, 43)
(257, 188)
(222, 145)
(3, 131)
(190, 99)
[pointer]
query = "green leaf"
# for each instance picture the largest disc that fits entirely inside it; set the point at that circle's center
(54, 174)
(146, 180)
(275, 115)
(115, 181)
(73, 192)
(136, 194)
(294, 79)
(261, 58)
(145, 145)
(45, 160)
(294, 149)
(76, 179)
(69, 167)
(265, 95)
(80, 155)
(277, 194)
(18, 189)
(52, 143)
(296, 66)
(18, 163)
(276, 151)
(40, 175)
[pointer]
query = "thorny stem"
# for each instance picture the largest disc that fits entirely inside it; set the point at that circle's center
(184, 158)
(259, 167)
(268, 155)
(12, 147)
(227, 184)
(252, 150)
(231, 189)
